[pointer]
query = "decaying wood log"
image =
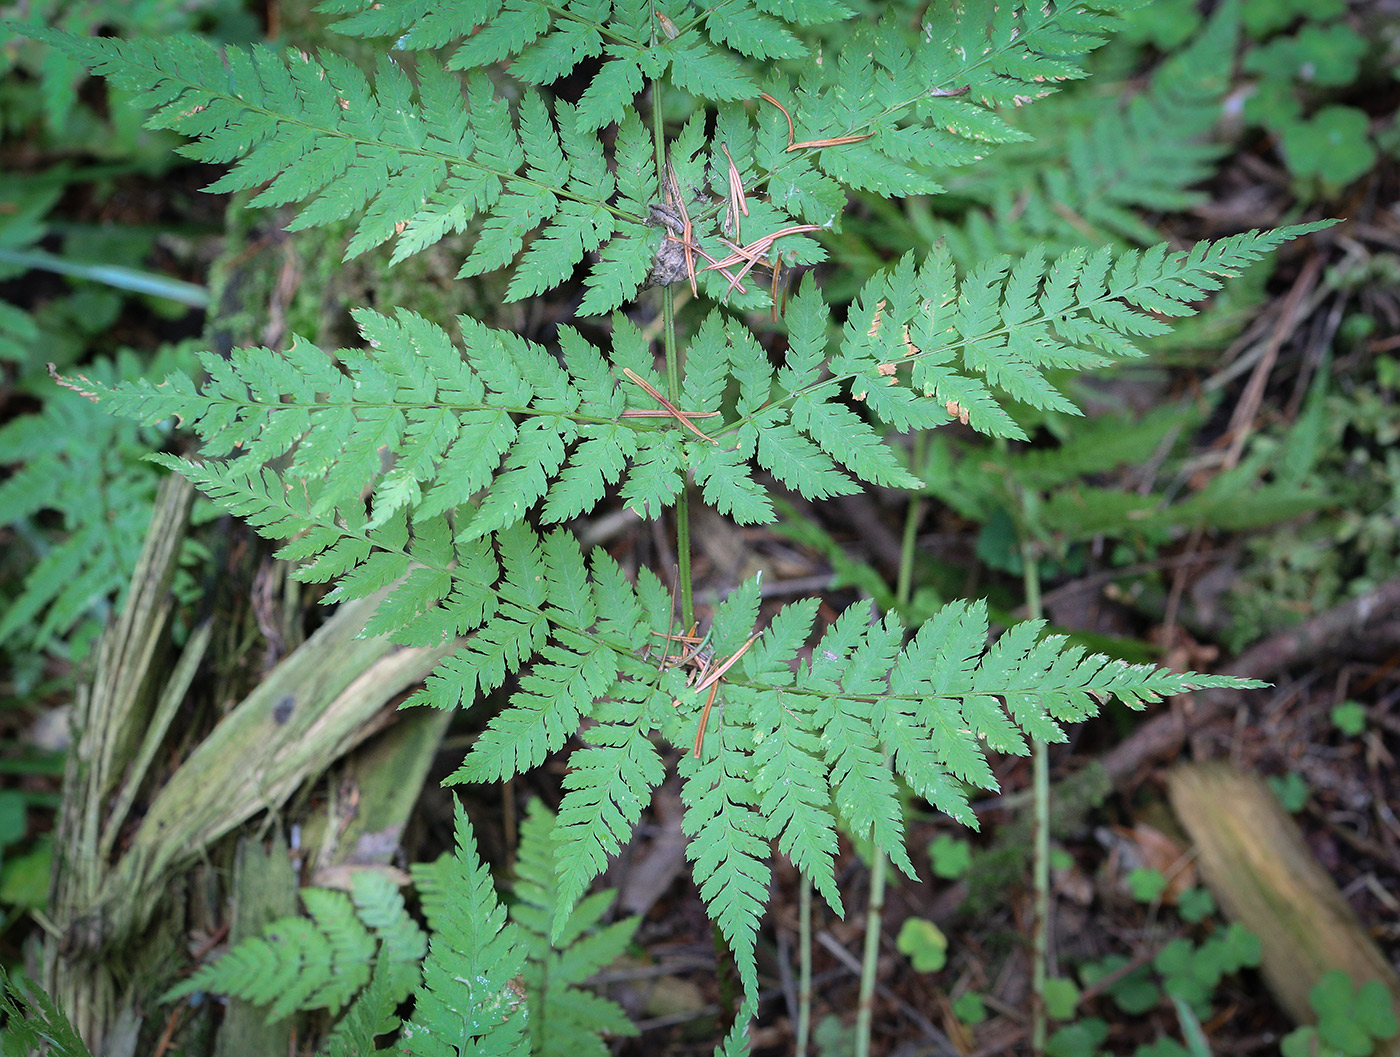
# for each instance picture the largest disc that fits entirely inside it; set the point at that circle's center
(1256, 863)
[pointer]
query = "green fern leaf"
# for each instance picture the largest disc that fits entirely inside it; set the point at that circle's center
(750, 32)
(321, 963)
(800, 464)
(418, 400)
(351, 949)
(608, 786)
(1097, 168)
(607, 97)
(85, 468)
(623, 265)
(544, 712)
(380, 905)
(704, 72)
(727, 847)
(848, 666)
(34, 1023)
(1008, 322)
(556, 54)
(578, 229)
(791, 773)
(507, 31)
(707, 365)
(728, 485)
(499, 649)
(316, 131)
(262, 970)
(850, 441)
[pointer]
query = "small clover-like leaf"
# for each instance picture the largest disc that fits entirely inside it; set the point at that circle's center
(1332, 147)
(924, 943)
(1061, 998)
(951, 856)
(1349, 718)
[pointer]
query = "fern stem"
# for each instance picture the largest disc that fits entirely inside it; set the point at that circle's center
(724, 957)
(870, 957)
(874, 915)
(673, 375)
(804, 965)
(904, 584)
(1040, 864)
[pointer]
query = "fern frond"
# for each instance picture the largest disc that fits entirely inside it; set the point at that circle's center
(566, 1018)
(379, 904)
(471, 999)
(606, 790)
(427, 430)
(792, 774)
(903, 113)
(321, 963)
(450, 421)
(790, 753)
(848, 667)
(318, 132)
(883, 116)
(728, 847)
(1003, 327)
(80, 464)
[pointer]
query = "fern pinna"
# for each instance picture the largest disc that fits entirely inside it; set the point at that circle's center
(447, 465)
(366, 947)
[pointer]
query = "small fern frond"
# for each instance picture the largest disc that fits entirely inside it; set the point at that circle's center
(379, 904)
(85, 467)
(321, 963)
(566, 1018)
(471, 999)
(282, 969)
